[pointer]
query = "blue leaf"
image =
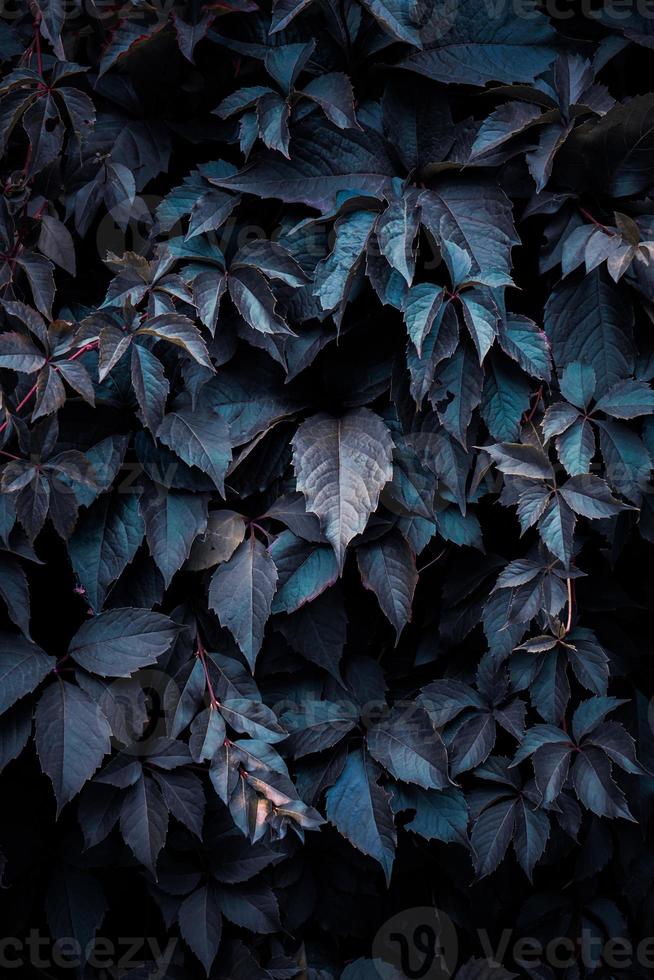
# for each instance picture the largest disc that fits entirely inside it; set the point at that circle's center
(360, 810)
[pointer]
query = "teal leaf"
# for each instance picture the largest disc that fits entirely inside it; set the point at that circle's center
(360, 810)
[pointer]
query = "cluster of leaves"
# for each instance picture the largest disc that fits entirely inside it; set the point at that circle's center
(326, 518)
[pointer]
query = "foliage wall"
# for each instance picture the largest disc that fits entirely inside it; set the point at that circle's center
(326, 519)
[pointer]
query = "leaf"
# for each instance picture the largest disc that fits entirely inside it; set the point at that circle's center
(589, 320)
(14, 589)
(173, 519)
(474, 742)
(421, 308)
(253, 718)
(589, 496)
(56, 242)
(144, 821)
(150, 385)
(388, 568)
(207, 735)
(620, 146)
(335, 274)
(118, 642)
(45, 131)
(50, 393)
(126, 36)
(271, 259)
(341, 466)
(439, 815)
(241, 595)
(39, 274)
(183, 794)
(325, 161)
(333, 93)
(317, 726)
(200, 438)
(475, 216)
(551, 765)
(360, 810)
(78, 378)
(182, 332)
(200, 923)
(75, 905)
(105, 541)
(406, 744)
(576, 447)
(72, 738)
(578, 383)
(505, 398)
(284, 11)
(457, 392)
(23, 666)
(19, 353)
(318, 630)
(251, 906)
(522, 340)
(473, 50)
(591, 777)
(502, 124)
(556, 528)
(627, 461)
(225, 531)
(304, 571)
(439, 344)
(627, 400)
(491, 836)
(255, 301)
(517, 459)
(480, 315)
(396, 230)
(532, 829)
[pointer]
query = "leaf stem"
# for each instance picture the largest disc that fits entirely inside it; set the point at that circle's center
(90, 346)
(432, 562)
(568, 625)
(537, 397)
(598, 224)
(202, 654)
(37, 42)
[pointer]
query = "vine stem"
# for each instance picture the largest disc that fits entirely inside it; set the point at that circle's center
(598, 224)
(432, 562)
(202, 654)
(30, 394)
(537, 398)
(37, 40)
(568, 625)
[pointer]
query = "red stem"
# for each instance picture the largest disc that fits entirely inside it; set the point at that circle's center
(532, 412)
(37, 40)
(598, 224)
(90, 346)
